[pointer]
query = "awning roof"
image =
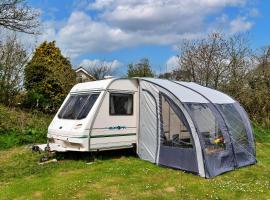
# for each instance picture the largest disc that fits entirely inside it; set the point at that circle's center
(192, 92)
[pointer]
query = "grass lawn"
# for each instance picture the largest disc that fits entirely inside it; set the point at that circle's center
(123, 176)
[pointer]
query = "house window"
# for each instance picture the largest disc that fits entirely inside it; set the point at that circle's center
(121, 104)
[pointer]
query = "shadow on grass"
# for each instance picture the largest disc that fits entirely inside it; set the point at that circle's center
(97, 155)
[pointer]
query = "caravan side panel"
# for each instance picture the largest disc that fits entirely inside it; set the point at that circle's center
(114, 131)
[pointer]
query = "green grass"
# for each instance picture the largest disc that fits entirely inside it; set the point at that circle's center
(125, 177)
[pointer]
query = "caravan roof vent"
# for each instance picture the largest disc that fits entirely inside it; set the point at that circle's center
(108, 77)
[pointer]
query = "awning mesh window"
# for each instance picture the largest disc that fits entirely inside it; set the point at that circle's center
(175, 131)
(208, 127)
(235, 124)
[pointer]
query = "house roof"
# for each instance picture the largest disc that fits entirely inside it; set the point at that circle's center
(85, 72)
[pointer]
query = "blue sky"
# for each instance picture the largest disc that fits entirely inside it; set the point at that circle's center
(123, 31)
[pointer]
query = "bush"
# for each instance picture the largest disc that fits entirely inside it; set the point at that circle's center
(18, 127)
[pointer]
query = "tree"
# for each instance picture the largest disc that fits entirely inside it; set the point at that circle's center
(175, 75)
(99, 71)
(257, 95)
(13, 58)
(140, 69)
(48, 77)
(16, 15)
(239, 64)
(216, 60)
(203, 60)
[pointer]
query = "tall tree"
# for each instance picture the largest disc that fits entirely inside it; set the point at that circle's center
(239, 64)
(16, 15)
(140, 69)
(13, 58)
(216, 60)
(257, 96)
(48, 77)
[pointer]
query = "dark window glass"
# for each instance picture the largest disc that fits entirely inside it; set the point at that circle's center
(88, 105)
(175, 132)
(78, 106)
(121, 104)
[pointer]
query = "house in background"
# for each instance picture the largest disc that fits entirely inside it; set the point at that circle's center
(82, 75)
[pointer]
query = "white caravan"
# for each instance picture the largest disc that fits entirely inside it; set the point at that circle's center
(177, 124)
(98, 115)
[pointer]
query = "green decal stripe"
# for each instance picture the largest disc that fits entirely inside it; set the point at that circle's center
(71, 136)
(84, 136)
(112, 135)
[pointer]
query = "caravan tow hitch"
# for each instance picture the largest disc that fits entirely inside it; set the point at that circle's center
(48, 157)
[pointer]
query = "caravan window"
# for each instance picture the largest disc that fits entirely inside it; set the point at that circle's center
(78, 106)
(121, 104)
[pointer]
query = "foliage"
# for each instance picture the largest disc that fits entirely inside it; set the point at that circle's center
(256, 97)
(48, 77)
(140, 69)
(118, 176)
(18, 127)
(15, 15)
(13, 57)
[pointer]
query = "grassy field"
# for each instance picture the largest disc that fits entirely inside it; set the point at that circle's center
(113, 175)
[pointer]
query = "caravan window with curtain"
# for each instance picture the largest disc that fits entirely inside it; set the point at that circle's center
(121, 104)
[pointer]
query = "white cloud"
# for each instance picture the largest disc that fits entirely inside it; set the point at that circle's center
(159, 15)
(48, 31)
(172, 63)
(128, 23)
(81, 35)
(96, 62)
(240, 24)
